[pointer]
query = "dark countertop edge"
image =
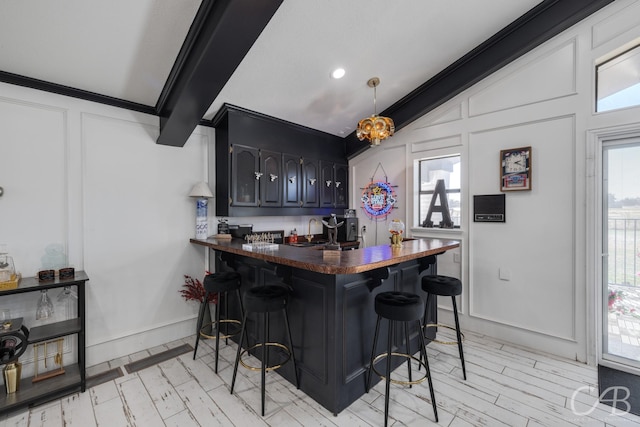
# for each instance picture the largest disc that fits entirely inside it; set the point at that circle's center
(348, 262)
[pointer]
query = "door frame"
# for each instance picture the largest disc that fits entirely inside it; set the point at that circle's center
(595, 141)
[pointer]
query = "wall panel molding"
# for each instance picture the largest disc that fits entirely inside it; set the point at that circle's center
(615, 25)
(548, 76)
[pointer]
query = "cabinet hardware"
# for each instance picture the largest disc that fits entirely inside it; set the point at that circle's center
(292, 179)
(338, 184)
(329, 183)
(230, 149)
(272, 177)
(258, 175)
(312, 181)
(1, 191)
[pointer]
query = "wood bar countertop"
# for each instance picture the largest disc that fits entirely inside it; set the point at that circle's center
(313, 258)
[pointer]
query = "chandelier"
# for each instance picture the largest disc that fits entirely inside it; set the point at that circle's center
(374, 128)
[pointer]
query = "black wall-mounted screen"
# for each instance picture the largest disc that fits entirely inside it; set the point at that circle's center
(488, 208)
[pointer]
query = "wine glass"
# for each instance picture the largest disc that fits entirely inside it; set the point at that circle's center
(67, 293)
(44, 309)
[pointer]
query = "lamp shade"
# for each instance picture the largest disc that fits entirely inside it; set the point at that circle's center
(201, 190)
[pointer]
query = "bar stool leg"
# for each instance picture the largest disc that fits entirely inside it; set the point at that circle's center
(455, 315)
(264, 354)
(293, 357)
(199, 323)
(388, 375)
(408, 346)
(373, 352)
(424, 316)
(423, 353)
(226, 316)
(217, 330)
(235, 366)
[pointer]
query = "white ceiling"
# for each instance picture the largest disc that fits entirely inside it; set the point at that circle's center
(125, 49)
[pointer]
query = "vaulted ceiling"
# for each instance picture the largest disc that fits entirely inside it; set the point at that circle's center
(183, 59)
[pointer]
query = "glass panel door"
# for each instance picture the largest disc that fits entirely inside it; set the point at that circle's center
(621, 246)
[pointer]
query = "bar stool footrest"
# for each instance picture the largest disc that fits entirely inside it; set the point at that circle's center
(267, 368)
(205, 335)
(440, 325)
(400, 382)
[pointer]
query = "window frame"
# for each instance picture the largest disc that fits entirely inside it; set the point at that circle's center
(421, 216)
(597, 82)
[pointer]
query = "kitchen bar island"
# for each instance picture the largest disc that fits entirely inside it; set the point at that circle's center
(331, 308)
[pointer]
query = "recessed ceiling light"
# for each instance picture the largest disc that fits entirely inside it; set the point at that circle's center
(338, 73)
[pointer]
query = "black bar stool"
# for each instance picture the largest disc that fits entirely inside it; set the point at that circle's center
(399, 307)
(444, 286)
(265, 300)
(218, 283)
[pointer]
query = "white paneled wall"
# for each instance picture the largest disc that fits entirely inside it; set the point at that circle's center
(92, 178)
(544, 100)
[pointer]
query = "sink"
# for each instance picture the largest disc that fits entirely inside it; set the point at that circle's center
(307, 244)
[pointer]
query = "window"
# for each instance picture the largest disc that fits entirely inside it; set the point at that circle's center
(430, 171)
(618, 81)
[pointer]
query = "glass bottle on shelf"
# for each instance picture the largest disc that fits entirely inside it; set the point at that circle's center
(7, 269)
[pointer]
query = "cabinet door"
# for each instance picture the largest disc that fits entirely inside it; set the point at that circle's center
(291, 182)
(270, 181)
(341, 178)
(310, 183)
(245, 169)
(327, 185)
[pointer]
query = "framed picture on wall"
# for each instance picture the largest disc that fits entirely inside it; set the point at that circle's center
(515, 169)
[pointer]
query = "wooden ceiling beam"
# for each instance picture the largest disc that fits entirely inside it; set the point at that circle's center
(546, 20)
(220, 37)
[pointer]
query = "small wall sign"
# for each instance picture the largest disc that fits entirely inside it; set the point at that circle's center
(378, 199)
(515, 169)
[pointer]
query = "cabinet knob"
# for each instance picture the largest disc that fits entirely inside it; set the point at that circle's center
(292, 179)
(258, 175)
(272, 177)
(312, 181)
(329, 183)
(338, 184)
(1, 191)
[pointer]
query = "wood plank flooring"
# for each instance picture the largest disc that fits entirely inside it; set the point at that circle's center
(506, 386)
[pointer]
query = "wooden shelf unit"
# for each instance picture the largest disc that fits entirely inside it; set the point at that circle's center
(74, 378)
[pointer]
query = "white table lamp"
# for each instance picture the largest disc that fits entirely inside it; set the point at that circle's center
(201, 192)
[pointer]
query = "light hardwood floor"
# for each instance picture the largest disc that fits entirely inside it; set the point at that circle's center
(506, 386)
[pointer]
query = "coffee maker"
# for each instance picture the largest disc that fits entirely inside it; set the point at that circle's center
(347, 232)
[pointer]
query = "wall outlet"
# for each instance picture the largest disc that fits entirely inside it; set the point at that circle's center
(456, 257)
(504, 274)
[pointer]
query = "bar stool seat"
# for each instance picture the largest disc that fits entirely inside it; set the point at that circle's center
(218, 284)
(435, 285)
(399, 307)
(265, 299)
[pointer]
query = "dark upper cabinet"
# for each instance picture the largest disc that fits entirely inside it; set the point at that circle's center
(271, 178)
(311, 183)
(245, 170)
(341, 182)
(327, 185)
(334, 185)
(257, 172)
(291, 180)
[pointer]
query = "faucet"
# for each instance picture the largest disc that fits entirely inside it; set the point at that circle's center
(309, 235)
